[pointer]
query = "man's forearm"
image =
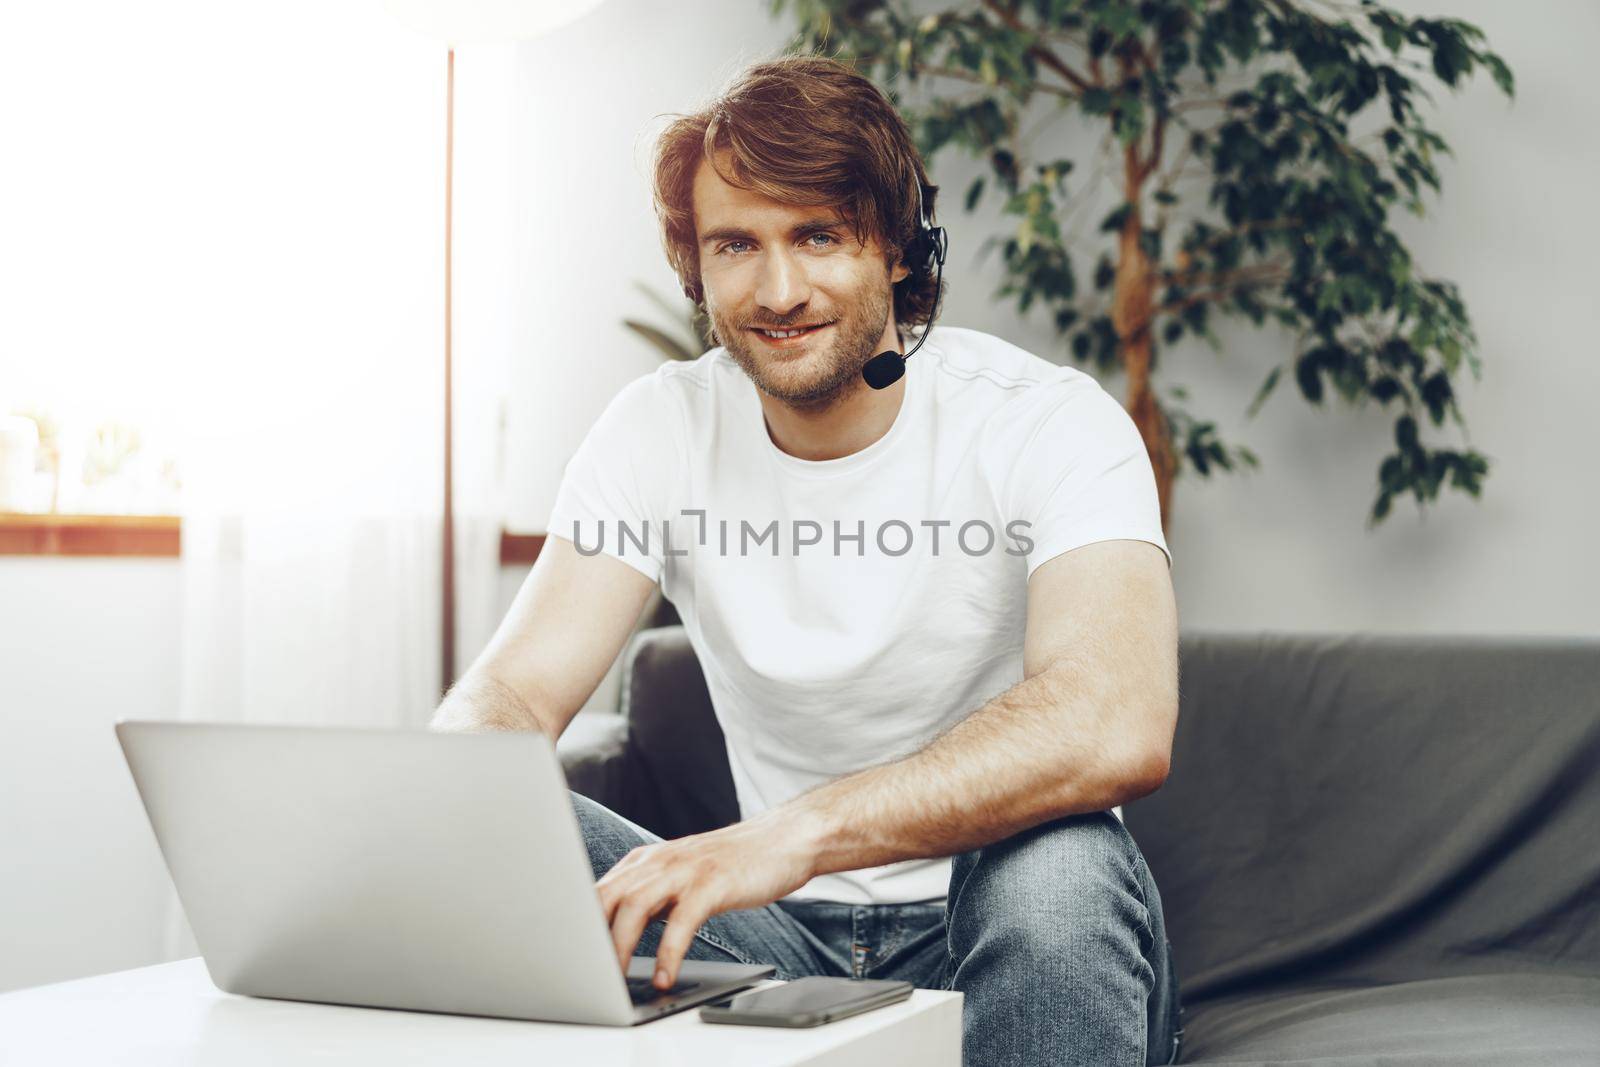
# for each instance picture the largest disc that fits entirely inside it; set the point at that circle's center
(1046, 748)
(480, 702)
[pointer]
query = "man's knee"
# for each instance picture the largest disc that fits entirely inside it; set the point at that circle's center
(1056, 892)
(606, 835)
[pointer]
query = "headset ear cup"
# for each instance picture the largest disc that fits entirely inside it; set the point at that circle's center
(915, 254)
(920, 250)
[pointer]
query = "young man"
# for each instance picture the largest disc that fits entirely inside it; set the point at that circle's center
(936, 619)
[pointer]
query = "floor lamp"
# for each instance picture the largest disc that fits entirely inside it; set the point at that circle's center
(464, 22)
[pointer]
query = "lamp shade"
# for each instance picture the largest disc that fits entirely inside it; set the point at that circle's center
(467, 21)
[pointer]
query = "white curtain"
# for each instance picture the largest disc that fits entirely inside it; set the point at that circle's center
(312, 530)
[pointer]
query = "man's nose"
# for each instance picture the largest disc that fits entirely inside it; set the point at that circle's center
(784, 285)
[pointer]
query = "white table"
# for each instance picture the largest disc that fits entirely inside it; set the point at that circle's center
(171, 1015)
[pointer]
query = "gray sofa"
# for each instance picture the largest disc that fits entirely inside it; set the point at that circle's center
(1371, 849)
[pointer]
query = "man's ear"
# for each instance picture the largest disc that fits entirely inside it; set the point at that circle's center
(900, 271)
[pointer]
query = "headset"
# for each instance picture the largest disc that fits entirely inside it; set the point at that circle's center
(931, 242)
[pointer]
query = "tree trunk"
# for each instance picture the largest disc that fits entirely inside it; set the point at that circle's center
(1133, 297)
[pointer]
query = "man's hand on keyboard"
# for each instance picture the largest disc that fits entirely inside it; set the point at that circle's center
(686, 881)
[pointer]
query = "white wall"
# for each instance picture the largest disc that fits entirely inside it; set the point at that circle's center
(591, 100)
(85, 642)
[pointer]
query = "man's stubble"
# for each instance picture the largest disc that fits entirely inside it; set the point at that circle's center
(832, 372)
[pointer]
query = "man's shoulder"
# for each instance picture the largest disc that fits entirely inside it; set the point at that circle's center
(1005, 379)
(674, 390)
(693, 382)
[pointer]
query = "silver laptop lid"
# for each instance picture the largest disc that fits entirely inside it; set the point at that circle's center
(392, 868)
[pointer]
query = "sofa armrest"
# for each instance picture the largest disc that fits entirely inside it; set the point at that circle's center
(663, 762)
(679, 780)
(594, 755)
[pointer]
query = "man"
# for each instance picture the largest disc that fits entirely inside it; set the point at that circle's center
(936, 619)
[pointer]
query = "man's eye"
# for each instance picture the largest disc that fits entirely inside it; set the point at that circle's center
(729, 247)
(828, 237)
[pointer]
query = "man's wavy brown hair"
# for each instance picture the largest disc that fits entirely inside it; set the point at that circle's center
(801, 130)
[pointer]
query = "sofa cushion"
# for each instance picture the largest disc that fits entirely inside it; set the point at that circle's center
(1376, 809)
(1487, 1019)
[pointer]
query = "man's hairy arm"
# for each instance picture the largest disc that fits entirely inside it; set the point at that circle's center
(1089, 727)
(480, 701)
(560, 636)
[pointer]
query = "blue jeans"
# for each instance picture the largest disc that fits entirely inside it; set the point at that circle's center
(1055, 936)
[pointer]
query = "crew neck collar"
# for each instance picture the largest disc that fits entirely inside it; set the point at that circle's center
(861, 458)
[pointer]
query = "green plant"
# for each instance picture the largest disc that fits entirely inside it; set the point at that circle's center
(1241, 188)
(691, 333)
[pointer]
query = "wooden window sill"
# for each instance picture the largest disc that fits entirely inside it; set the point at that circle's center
(153, 536)
(517, 550)
(24, 534)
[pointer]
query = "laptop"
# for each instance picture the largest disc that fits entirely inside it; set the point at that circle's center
(439, 872)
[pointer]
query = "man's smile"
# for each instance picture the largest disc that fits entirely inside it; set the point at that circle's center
(791, 337)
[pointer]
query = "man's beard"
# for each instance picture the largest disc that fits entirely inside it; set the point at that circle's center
(829, 373)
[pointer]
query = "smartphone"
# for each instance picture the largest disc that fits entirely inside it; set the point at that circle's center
(807, 1002)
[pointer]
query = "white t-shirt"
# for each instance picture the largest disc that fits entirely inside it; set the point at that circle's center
(838, 623)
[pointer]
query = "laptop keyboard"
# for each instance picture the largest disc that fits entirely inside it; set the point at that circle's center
(642, 992)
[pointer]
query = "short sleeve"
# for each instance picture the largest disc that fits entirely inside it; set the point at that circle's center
(1083, 475)
(613, 490)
